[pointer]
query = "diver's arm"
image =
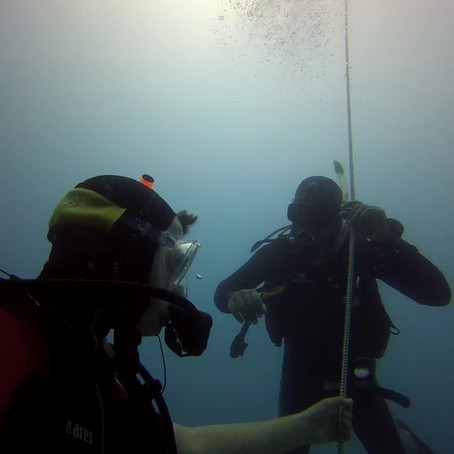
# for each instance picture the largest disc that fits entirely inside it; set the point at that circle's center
(237, 295)
(317, 424)
(416, 277)
(248, 276)
(404, 268)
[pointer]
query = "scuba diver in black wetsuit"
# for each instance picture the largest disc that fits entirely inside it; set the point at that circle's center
(117, 265)
(298, 281)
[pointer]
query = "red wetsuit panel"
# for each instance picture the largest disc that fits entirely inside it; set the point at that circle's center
(23, 355)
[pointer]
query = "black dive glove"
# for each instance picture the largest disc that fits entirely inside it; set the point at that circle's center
(367, 221)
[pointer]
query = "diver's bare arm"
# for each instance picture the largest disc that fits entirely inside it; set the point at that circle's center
(317, 424)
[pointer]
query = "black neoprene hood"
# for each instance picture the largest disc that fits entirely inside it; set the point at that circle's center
(86, 243)
(137, 198)
(321, 188)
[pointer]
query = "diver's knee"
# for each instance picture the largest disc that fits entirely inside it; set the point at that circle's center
(409, 442)
(412, 443)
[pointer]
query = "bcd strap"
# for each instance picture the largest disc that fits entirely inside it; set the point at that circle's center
(386, 393)
(395, 396)
(143, 392)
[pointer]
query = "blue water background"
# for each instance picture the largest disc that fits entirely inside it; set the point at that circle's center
(229, 105)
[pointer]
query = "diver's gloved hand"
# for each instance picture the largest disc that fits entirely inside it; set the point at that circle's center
(246, 306)
(367, 221)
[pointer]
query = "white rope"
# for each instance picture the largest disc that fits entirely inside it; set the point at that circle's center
(347, 326)
(351, 256)
(349, 113)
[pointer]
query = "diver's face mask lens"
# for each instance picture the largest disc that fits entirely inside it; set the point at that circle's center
(171, 265)
(177, 261)
(172, 259)
(312, 213)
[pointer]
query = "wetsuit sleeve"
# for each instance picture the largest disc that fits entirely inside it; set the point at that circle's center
(404, 268)
(23, 357)
(255, 271)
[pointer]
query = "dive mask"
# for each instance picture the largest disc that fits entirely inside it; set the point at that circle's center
(173, 259)
(316, 212)
(172, 264)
